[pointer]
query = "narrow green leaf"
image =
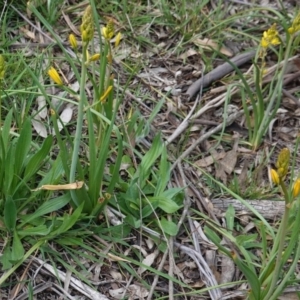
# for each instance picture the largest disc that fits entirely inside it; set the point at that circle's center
(252, 278)
(69, 220)
(163, 173)
(9, 171)
(229, 215)
(36, 160)
(23, 146)
(6, 130)
(10, 214)
(150, 157)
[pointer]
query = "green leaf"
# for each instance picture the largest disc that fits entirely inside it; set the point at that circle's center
(69, 220)
(36, 160)
(252, 278)
(163, 173)
(131, 220)
(165, 203)
(23, 146)
(48, 207)
(168, 227)
(149, 158)
(70, 241)
(17, 252)
(9, 171)
(6, 130)
(229, 215)
(6, 258)
(37, 230)
(10, 214)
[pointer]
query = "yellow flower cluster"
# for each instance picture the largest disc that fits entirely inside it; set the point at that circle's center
(108, 33)
(295, 25)
(282, 163)
(282, 166)
(87, 25)
(270, 37)
(109, 30)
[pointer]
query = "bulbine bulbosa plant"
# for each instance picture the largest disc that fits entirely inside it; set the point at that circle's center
(280, 257)
(99, 115)
(266, 99)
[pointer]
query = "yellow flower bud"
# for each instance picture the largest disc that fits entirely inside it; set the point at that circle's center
(106, 93)
(118, 39)
(274, 176)
(2, 67)
(87, 25)
(282, 163)
(296, 188)
(95, 57)
(73, 41)
(53, 74)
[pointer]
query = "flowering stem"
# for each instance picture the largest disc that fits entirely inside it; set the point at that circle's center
(77, 139)
(280, 238)
(266, 119)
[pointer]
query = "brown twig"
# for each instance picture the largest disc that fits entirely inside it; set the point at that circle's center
(219, 72)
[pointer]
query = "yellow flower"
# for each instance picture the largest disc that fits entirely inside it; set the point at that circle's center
(108, 31)
(296, 188)
(2, 67)
(270, 37)
(53, 74)
(274, 176)
(282, 163)
(87, 25)
(106, 93)
(94, 57)
(295, 25)
(73, 41)
(118, 39)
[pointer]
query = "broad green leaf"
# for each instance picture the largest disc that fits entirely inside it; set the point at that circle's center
(36, 160)
(48, 207)
(5, 259)
(17, 251)
(168, 227)
(165, 203)
(36, 230)
(148, 210)
(134, 222)
(23, 146)
(10, 214)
